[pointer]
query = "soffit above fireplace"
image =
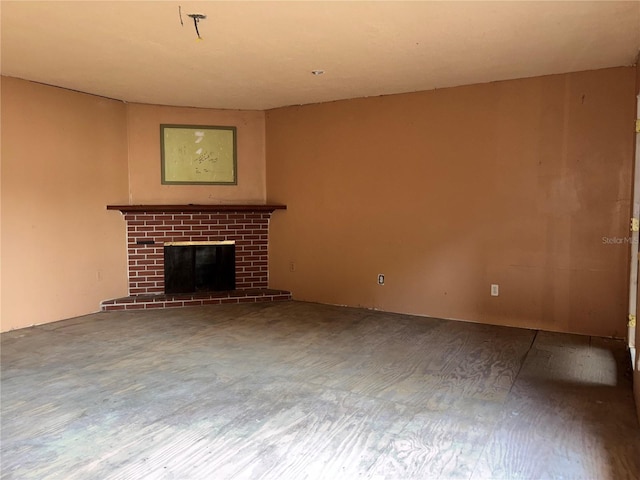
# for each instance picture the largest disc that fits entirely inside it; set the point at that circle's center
(196, 208)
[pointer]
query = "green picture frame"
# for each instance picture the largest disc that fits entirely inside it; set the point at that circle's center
(198, 155)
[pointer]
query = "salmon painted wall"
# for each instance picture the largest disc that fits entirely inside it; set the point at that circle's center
(64, 158)
(144, 156)
(525, 184)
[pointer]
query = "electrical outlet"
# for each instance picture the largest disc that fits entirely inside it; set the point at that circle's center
(381, 279)
(292, 266)
(495, 290)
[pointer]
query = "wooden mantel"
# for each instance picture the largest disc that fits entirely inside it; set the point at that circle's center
(196, 208)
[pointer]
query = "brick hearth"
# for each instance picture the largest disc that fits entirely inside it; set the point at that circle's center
(150, 227)
(136, 302)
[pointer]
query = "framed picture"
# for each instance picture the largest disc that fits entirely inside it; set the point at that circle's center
(198, 155)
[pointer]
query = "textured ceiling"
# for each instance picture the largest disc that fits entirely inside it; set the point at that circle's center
(259, 55)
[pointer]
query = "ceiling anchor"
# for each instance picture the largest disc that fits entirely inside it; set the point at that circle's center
(196, 19)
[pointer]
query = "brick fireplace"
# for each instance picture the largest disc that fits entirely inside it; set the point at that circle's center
(150, 227)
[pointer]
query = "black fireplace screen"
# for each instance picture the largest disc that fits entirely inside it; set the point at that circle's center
(199, 268)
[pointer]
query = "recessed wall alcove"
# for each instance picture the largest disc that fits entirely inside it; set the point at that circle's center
(153, 228)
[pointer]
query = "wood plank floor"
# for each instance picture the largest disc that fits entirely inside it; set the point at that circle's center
(292, 390)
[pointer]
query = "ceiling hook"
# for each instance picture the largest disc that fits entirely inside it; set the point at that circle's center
(196, 18)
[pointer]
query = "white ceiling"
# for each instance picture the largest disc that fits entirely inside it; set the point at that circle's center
(260, 54)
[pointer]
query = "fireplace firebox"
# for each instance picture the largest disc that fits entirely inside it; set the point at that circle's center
(199, 267)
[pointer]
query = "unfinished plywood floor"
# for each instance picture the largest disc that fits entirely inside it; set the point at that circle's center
(302, 391)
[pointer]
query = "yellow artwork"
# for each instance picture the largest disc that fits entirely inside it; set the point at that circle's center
(193, 154)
